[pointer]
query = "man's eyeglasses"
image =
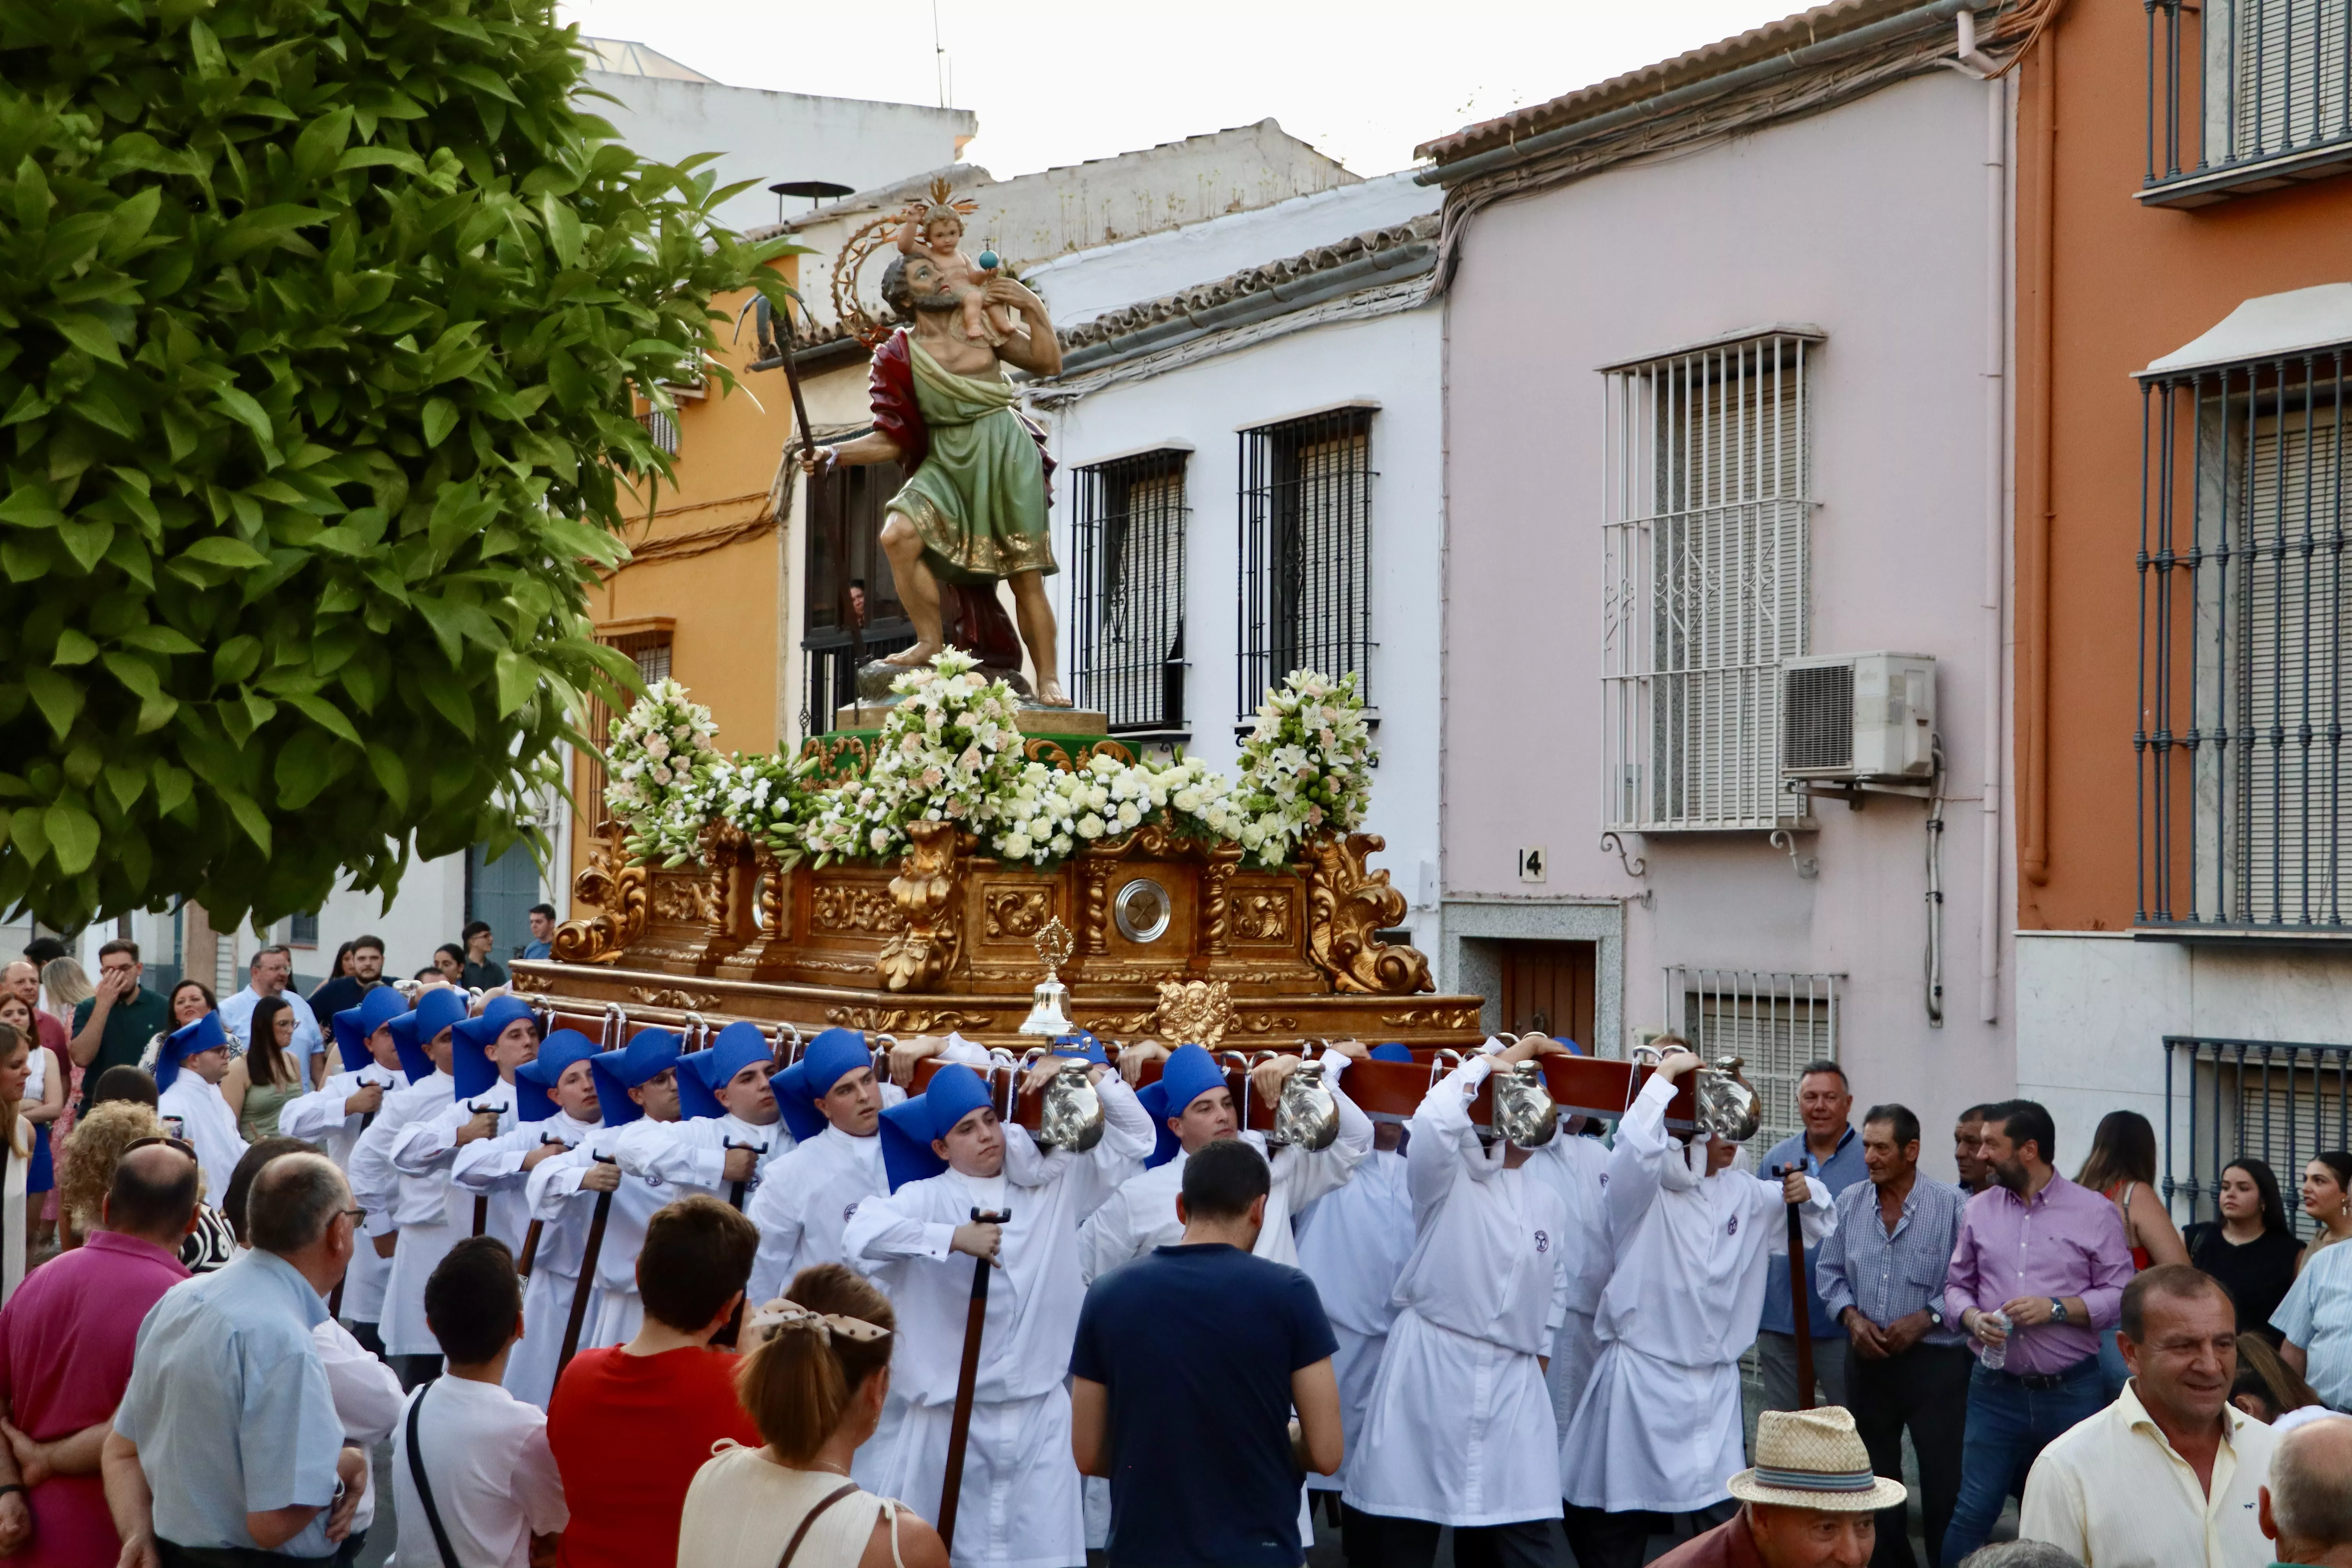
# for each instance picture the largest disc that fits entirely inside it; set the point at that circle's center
(182, 1144)
(358, 1216)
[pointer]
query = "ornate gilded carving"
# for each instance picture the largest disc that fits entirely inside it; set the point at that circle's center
(1121, 1026)
(679, 898)
(774, 893)
(919, 958)
(1093, 940)
(1346, 906)
(1265, 1023)
(665, 996)
(725, 851)
(1193, 1012)
(908, 1020)
(1262, 916)
(1213, 930)
(1432, 1018)
(856, 906)
(521, 980)
(1017, 911)
(609, 883)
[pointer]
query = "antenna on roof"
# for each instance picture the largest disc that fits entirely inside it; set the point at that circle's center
(939, 57)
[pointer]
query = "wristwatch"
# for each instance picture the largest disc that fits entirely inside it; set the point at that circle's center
(1935, 1316)
(2057, 1310)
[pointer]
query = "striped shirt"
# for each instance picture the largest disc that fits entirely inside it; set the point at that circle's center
(1892, 1276)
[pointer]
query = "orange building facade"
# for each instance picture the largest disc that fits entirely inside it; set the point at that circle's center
(2184, 279)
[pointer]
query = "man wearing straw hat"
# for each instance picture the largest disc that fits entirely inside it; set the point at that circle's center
(1811, 1500)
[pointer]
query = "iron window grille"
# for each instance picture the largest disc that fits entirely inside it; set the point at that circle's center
(303, 931)
(1774, 1022)
(2278, 1101)
(2249, 96)
(850, 606)
(1708, 497)
(662, 425)
(2243, 797)
(1306, 552)
(1128, 657)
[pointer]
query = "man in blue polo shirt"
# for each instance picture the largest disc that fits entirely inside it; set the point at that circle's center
(1829, 1151)
(1188, 1363)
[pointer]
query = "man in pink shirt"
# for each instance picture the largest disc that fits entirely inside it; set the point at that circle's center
(66, 1342)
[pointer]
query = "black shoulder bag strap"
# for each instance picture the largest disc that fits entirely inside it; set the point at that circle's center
(793, 1547)
(424, 1488)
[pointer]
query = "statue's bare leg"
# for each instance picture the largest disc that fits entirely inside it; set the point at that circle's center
(1036, 614)
(918, 591)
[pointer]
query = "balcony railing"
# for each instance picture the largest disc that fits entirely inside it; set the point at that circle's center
(2246, 96)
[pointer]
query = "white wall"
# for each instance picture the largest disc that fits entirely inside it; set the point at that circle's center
(1868, 221)
(1391, 361)
(771, 136)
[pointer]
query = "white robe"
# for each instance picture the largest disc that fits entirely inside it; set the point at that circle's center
(206, 1121)
(494, 1167)
(395, 1203)
(422, 1150)
(1577, 1168)
(319, 1118)
(665, 1165)
(1460, 1427)
(1019, 1506)
(1659, 1424)
(1353, 1243)
(1141, 1214)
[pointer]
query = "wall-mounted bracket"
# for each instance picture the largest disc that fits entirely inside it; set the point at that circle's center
(1807, 866)
(1635, 865)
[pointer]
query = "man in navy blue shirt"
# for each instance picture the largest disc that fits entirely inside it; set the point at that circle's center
(1828, 1150)
(1188, 1363)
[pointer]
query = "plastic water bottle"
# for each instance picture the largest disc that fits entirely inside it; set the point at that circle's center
(1994, 1357)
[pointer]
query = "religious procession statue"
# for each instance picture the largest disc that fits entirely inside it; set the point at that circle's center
(974, 509)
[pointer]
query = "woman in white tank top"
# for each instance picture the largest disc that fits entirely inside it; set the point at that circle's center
(813, 1383)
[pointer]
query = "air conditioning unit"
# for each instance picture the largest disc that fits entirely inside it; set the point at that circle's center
(1857, 716)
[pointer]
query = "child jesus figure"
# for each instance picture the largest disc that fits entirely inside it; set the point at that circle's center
(936, 229)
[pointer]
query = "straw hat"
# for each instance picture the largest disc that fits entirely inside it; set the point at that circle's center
(1814, 1458)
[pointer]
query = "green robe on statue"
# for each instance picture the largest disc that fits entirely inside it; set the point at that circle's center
(978, 499)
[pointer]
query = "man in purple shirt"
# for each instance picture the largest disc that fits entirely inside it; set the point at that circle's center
(2051, 1257)
(66, 1342)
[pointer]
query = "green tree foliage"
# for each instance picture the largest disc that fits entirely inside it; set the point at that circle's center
(320, 321)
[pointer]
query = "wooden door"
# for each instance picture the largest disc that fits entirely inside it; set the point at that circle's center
(1547, 986)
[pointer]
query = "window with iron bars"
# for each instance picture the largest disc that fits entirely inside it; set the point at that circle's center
(2273, 1100)
(2246, 96)
(1707, 490)
(647, 642)
(1307, 552)
(1128, 657)
(1775, 1023)
(2245, 808)
(850, 608)
(662, 425)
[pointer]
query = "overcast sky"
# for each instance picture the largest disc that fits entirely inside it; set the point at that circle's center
(1059, 81)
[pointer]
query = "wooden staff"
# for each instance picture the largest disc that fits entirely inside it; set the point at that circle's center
(595, 1244)
(967, 1379)
(335, 1299)
(1800, 1312)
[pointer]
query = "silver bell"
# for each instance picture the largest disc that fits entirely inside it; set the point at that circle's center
(1046, 1016)
(1073, 1117)
(1305, 1116)
(1524, 1112)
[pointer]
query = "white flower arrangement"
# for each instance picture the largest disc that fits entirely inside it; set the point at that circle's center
(948, 752)
(659, 766)
(1306, 767)
(766, 798)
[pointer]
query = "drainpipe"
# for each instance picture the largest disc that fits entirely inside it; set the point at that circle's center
(2037, 517)
(1988, 920)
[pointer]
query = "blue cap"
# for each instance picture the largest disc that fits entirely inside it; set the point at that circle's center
(1573, 1048)
(695, 1100)
(1189, 1073)
(355, 1026)
(190, 1039)
(438, 1009)
(1082, 1045)
(469, 1060)
(646, 1056)
(1391, 1052)
(830, 1057)
(954, 1093)
(535, 1080)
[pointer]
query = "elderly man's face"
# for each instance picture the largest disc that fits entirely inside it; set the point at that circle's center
(2187, 1356)
(22, 981)
(1823, 1101)
(1812, 1538)
(270, 972)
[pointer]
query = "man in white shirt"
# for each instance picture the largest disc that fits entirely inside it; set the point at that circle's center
(556, 1110)
(728, 1134)
(634, 1084)
(188, 1071)
(1459, 1430)
(1659, 1426)
(332, 1117)
(1191, 1106)
(832, 1103)
(471, 1470)
(485, 1051)
(1353, 1243)
(2171, 1473)
(273, 967)
(418, 1204)
(947, 1156)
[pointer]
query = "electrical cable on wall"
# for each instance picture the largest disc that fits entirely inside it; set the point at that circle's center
(1935, 957)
